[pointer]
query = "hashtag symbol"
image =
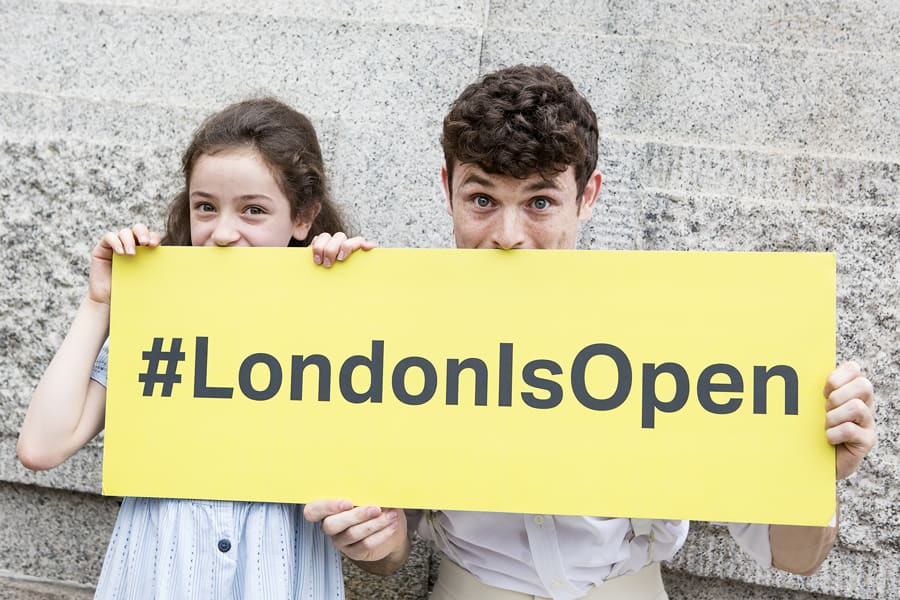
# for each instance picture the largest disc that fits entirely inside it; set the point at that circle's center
(154, 356)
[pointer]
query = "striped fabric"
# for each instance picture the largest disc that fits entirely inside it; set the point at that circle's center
(188, 549)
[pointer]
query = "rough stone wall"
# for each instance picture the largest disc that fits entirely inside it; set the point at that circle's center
(743, 125)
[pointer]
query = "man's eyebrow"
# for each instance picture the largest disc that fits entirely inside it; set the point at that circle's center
(477, 179)
(543, 184)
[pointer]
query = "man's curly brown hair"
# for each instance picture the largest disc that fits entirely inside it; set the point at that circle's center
(522, 120)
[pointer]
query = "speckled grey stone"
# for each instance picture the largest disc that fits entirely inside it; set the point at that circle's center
(56, 199)
(54, 534)
(369, 71)
(468, 13)
(683, 586)
(81, 473)
(747, 125)
(845, 573)
(409, 583)
(683, 92)
(754, 173)
(866, 242)
(389, 196)
(17, 587)
(859, 25)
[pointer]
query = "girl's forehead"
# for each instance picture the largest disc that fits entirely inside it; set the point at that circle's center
(238, 167)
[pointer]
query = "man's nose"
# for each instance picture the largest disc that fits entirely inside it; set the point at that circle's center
(510, 230)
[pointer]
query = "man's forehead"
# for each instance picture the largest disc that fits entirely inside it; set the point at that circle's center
(473, 174)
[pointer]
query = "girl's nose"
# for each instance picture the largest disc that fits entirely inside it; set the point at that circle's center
(225, 233)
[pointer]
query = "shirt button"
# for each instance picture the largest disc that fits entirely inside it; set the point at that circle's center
(224, 545)
(539, 520)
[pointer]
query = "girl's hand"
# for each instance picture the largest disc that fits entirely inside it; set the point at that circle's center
(122, 243)
(327, 248)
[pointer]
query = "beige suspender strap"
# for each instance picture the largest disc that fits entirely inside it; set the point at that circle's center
(438, 534)
(644, 527)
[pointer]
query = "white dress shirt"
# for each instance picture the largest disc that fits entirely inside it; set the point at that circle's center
(561, 557)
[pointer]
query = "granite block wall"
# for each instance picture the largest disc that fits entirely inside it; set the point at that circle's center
(746, 125)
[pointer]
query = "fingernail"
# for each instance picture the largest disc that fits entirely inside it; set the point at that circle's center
(327, 262)
(372, 511)
(144, 241)
(340, 255)
(317, 259)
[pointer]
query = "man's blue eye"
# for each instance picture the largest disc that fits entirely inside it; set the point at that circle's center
(482, 201)
(541, 203)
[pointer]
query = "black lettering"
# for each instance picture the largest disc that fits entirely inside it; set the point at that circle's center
(299, 364)
(548, 385)
(761, 378)
(454, 368)
(274, 376)
(398, 380)
(623, 385)
(505, 388)
(705, 387)
(201, 390)
(375, 366)
(650, 402)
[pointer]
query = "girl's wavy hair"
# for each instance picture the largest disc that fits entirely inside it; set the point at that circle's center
(286, 141)
(523, 120)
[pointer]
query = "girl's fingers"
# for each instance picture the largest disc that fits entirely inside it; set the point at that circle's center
(141, 234)
(333, 248)
(328, 249)
(111, 242)
(128, 240)
(353, 244)
(318, 245)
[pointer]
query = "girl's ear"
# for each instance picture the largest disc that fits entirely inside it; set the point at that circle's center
(304, 221)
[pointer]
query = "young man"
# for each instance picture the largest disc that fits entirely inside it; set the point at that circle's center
(521, 153)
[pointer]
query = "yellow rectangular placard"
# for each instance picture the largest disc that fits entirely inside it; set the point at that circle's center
(639, 384)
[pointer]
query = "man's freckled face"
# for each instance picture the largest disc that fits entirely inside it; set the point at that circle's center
(499, 211)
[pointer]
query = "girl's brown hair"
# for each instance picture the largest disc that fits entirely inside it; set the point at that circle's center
(286, 141)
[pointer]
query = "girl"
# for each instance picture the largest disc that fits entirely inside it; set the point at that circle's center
(253, 177)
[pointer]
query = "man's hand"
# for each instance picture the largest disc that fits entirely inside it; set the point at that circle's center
(850, 420)
(373, 537)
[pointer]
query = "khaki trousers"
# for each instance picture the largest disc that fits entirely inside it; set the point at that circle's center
(455, 583)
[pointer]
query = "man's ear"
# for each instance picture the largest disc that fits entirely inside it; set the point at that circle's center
(445, 180)
(304, 222)
(589, 197)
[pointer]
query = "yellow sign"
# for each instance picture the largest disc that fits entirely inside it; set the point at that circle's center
(638, 384)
